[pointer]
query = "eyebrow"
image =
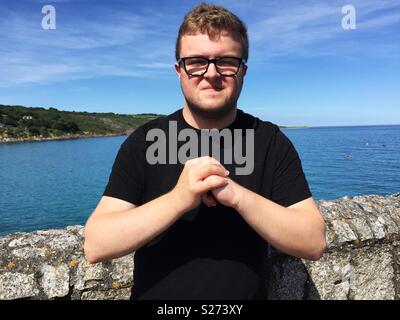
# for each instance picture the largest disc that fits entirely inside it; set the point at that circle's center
(217, 57)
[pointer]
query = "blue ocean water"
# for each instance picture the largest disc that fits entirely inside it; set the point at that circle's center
(349, 161)
(53, 184)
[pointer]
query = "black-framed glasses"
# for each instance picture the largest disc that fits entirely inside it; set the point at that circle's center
(198, 66)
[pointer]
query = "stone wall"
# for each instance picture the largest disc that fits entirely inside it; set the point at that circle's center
(361, 262)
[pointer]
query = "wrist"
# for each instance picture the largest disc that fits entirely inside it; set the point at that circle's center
(242, 195)
(175, 201)
(178, 202)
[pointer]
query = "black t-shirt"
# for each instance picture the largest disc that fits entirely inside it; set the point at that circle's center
(209, 253)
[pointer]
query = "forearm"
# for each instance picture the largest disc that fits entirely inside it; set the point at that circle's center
(299, 233)
(111, 233)
(115, 234)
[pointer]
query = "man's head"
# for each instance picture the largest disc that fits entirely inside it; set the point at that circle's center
(211, 32)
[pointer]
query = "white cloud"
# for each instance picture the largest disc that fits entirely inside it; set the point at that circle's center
(120, 45)
(381, 21)
(303, 28)
(113, 42)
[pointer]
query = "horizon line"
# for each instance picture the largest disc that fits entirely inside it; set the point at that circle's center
(281, 125)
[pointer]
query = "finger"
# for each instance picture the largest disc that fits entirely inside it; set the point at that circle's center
(210, 169)
(209, 199)
(203, 160)
(211, 182)
(206, 200)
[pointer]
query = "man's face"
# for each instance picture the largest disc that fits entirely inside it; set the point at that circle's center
(211, 95)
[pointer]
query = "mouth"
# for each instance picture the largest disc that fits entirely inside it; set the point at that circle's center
(211, 89)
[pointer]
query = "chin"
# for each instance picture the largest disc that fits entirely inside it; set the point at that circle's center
(211, 111)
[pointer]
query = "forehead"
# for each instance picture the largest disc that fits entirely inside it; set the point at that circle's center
(201, 44)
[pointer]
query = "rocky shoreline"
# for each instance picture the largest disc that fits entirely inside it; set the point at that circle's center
(63, 137)
(362, 260)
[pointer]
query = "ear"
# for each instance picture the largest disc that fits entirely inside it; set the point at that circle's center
(244, 69)
(178, 69)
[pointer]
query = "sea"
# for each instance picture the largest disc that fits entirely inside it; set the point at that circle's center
(53, 184)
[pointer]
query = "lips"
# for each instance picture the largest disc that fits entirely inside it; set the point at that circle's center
(211, 89)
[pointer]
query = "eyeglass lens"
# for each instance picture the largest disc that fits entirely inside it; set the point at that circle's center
(225, 66)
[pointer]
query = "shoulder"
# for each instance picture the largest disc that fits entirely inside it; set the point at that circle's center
(268, 133)
(262, 127)
(139, 134)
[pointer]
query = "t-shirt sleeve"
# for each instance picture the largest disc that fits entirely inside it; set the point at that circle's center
(289, 184)
(127, 175)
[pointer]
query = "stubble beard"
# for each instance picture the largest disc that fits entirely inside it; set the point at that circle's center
(212, 113)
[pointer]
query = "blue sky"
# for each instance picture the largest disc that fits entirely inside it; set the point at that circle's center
(117, 56)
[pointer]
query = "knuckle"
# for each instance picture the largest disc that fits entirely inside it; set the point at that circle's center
(191, 188)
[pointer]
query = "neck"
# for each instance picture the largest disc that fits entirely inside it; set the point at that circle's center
(200, 122)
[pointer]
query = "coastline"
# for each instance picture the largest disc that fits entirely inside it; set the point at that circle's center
(63, 137)
(82, 136)
(295, 127)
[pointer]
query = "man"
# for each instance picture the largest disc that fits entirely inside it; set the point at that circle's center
(200, 230)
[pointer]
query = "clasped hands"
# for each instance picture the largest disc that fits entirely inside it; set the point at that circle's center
(206, 180)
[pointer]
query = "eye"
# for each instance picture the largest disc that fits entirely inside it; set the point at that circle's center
(198, 62)
(228, 62)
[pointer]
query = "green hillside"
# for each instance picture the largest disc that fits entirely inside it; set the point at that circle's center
(18, 122)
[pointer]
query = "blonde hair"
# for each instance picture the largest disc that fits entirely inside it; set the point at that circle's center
(212, 19)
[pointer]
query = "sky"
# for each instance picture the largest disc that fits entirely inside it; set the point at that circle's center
(305, 66)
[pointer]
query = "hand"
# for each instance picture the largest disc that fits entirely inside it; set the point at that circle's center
(198, 176)
(208, 199)
(229, 194)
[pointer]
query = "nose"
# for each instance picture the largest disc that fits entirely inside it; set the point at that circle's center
(211, 71)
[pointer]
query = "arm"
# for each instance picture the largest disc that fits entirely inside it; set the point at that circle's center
(298, 230)
(117, 227)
